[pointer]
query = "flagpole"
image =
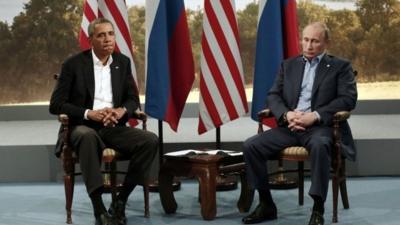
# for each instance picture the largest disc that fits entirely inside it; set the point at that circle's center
(218, 138)
(154, 186)
(160, 143)
(224, 182)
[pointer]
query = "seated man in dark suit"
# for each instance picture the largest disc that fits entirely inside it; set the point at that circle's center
(95, 89)
(307, 92)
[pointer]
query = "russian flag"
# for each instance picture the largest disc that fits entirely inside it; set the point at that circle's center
(169, 66)
(277, 39)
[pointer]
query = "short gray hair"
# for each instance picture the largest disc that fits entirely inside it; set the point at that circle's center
(323, 27)
(95, 22)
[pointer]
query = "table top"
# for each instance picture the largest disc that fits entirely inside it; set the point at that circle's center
(204, 156)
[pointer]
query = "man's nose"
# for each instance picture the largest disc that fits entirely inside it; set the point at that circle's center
(107, 38)
(308, 45)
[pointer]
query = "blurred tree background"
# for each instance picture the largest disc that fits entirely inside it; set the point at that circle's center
(45, 33)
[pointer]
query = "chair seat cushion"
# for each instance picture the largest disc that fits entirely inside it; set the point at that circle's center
(295, 153)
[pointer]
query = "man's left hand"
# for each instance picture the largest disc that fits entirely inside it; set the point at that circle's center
(307, 119)
(113, 115)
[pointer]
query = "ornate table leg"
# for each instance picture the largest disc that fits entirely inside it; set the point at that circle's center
(207, 184)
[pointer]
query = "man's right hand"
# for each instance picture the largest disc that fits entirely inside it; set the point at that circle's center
(299, 121)
(97, 115)
(293, 119)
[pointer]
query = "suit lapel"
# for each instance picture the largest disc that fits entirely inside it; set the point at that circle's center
(115, 69)
(320, 74)
(89, 73)
(297, 79)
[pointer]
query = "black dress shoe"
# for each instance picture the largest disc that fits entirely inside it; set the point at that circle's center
(317, 218)
(104, 219)
(260, 214)
(117, 210)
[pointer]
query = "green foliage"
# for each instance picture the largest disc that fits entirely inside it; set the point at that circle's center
(137, 26)
(247, 22)
(40, 38)
(195, 23)
(376, 51)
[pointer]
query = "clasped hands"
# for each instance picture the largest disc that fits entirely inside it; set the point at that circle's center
(108, 116)
(299, 121)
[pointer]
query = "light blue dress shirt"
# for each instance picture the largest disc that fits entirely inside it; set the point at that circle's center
(304, 104)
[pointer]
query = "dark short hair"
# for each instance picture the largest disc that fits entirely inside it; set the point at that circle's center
(95, 22)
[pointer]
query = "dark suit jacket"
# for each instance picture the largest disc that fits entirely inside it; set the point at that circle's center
(74, 92)
(334, 90)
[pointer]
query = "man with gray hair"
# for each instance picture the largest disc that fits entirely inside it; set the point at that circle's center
(95, 89)
(307, 92)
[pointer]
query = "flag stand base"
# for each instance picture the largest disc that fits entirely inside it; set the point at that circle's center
(226, 182)
(281, 182)
(154, 186)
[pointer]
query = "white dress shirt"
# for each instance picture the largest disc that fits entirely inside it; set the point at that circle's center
(103, 96)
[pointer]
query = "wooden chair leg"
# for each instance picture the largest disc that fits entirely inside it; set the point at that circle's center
(146, 199)
(113, 180)
(335, 193)
(343, 186)
(301, 182)
(69, 181)
(343, 194)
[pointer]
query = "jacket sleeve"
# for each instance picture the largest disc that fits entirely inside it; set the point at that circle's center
(275, 101)
(59, 102)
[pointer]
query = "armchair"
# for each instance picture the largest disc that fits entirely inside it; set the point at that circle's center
(300, 154)
(110, 158)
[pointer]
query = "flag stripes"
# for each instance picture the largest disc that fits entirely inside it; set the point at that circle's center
(222, 95)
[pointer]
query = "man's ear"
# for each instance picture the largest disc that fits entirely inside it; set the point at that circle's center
(90, 40)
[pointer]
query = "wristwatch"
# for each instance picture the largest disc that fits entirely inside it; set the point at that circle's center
(285, 117)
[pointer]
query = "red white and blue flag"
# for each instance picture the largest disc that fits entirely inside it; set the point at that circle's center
(222, 94)
(170, 66)
(277, 39)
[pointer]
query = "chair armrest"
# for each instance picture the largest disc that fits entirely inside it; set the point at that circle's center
(263, 114)
(63, 119)
(342, 116)
(140, 115)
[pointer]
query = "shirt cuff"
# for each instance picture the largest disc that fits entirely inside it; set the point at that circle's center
(317, 115)
(85, 115)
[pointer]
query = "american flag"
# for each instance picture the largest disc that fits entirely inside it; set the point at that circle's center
(115, 11)
(222, 94)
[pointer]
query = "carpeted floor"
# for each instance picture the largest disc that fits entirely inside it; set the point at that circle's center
(373, 201)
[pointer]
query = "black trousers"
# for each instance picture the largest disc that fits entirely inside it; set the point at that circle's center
(138, 145)
(317, 140)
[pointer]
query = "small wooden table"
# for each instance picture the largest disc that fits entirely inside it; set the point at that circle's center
(205, 168)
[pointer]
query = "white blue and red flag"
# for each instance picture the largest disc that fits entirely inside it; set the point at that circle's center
(169, 60)
(277, 39)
